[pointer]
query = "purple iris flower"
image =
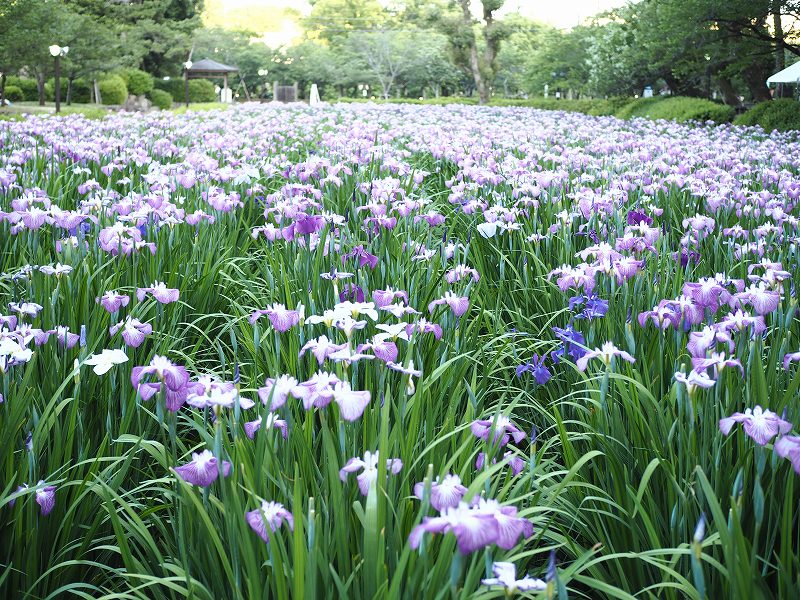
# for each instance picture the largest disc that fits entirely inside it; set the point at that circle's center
(269, 514)
(637, 217)
(174, 377)
(251, 427)
(760, 424)
(321, 348)
(790, 358)
(445, 493)
(515, 462)
(351, 292)
(276, 391)
(133, 331)
(160, 292)
(476, 526)
(203, 469)
(458, 304)
(282, 319)
(45, 497)
(788, 446)
(65, 337)
(112, 301)
(573, 344)
(592, 306)
(364, 257)
(503, 428)
(687, 255)
(536, 367)
(369, 469)
(386, 297)
(425, 326)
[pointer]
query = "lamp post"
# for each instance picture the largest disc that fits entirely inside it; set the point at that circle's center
(186, 66)
(57, 52)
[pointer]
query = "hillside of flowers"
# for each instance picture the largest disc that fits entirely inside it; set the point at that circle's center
(398, 352)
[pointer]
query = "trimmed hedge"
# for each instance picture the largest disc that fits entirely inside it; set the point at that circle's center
(677, 108)
(139, 83)
(113, 90)
(200, 90)
(161, 99)
(589, 106)
(782, 114)
(13, 93)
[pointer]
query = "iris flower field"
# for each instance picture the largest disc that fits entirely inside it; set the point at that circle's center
(398, 352)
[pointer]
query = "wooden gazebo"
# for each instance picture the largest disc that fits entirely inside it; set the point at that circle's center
(206, 69)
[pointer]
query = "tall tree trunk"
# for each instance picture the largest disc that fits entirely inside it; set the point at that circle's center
(491, 39)
(728, 92)
(40, 87)
(69, 89)
(780, 54)
(755, 76)
(96, 88)
(474, 65)
(2, 88)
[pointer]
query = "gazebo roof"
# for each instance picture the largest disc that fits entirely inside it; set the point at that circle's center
(211, 66)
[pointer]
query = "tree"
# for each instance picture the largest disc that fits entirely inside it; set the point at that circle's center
(333, 20)
(386, 55)
(492, 33)
(155, 34)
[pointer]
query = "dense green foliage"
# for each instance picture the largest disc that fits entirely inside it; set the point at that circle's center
(113, 90)
(201, 90)
(782, 114)
(27, 85)
(160, 98)
(13, 93)
(139, 83)
(677, 108)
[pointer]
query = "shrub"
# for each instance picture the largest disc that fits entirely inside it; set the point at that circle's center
(28, 86)
(173, 86)
(677, 108)
(201, 90)
(13, 93)
(113, 90)
(81, 91)
(639, 108)
(139, 82)
(782, 114)
(161, 99)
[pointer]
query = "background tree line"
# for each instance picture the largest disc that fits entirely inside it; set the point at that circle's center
(424, 48)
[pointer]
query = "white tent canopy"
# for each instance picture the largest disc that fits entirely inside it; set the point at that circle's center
(790, 74)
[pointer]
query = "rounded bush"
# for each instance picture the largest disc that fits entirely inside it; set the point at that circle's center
(161, 99)
(201, 90)
(27, 85)
(113, 90)
(782, 114)
(14, 93)
(139, 82)
(677, 108)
